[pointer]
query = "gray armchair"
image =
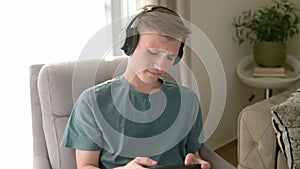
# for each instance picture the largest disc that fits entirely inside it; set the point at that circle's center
(52, 96)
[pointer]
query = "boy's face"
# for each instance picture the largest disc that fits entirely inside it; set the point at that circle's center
(153, 56)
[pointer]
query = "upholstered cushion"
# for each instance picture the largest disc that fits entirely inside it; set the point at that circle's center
(286, 123)
(256, 137)
(59, 85)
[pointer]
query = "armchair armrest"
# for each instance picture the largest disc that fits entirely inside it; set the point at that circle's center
(215, 160)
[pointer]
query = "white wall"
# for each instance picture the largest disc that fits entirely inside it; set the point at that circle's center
(214, 18)
(34, 32)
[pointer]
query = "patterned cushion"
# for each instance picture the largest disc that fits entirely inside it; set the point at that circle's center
(286, 123)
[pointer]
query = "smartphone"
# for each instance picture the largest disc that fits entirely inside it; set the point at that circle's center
(196, 166)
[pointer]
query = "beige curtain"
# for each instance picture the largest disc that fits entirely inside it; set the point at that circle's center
(182, 7)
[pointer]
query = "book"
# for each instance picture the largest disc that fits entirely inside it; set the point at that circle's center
(269, 74)
(268, 69)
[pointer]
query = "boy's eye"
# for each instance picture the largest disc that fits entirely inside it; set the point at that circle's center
(171, 57)
(153, 51)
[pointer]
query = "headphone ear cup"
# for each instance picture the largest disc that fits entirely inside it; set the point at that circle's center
(177, 59)
(131, 41)
(180, 53)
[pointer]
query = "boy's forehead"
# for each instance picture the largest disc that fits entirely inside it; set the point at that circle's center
(154, 39)
(163, 43)
(166, 37)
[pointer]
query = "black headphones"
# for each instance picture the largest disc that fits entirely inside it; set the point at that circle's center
(132, 33)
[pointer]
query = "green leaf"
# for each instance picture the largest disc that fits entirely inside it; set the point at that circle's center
(277, 21)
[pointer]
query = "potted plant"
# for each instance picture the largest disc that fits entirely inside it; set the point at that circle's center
(268, 29)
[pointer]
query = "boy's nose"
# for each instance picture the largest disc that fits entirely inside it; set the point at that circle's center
(158, 67)
(161, 64)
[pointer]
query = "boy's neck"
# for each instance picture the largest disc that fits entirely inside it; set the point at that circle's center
(140, 86)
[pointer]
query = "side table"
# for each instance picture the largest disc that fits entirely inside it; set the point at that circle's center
(245, 73)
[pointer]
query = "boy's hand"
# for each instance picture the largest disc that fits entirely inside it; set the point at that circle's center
(139, 162)
(191, 159)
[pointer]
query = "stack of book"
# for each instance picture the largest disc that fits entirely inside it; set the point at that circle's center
(269, 72)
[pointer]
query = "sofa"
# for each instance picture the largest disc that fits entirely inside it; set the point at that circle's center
(258, 138)
(54, 88)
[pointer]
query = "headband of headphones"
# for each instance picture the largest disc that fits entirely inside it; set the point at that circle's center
(132, 33)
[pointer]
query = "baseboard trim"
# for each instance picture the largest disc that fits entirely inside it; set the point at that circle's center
(229, 152)
(226, 144)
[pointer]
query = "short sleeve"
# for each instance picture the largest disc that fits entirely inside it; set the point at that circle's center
(75, 136)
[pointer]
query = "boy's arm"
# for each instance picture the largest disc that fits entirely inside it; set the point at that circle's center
(87, 159)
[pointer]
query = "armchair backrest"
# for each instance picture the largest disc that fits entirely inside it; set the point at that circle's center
(52, 96)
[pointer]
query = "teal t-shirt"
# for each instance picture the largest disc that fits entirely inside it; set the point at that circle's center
(123, 123)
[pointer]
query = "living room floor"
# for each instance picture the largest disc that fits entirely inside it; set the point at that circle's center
(229, 152)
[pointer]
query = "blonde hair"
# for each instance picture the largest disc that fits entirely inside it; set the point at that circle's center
(162, 21)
